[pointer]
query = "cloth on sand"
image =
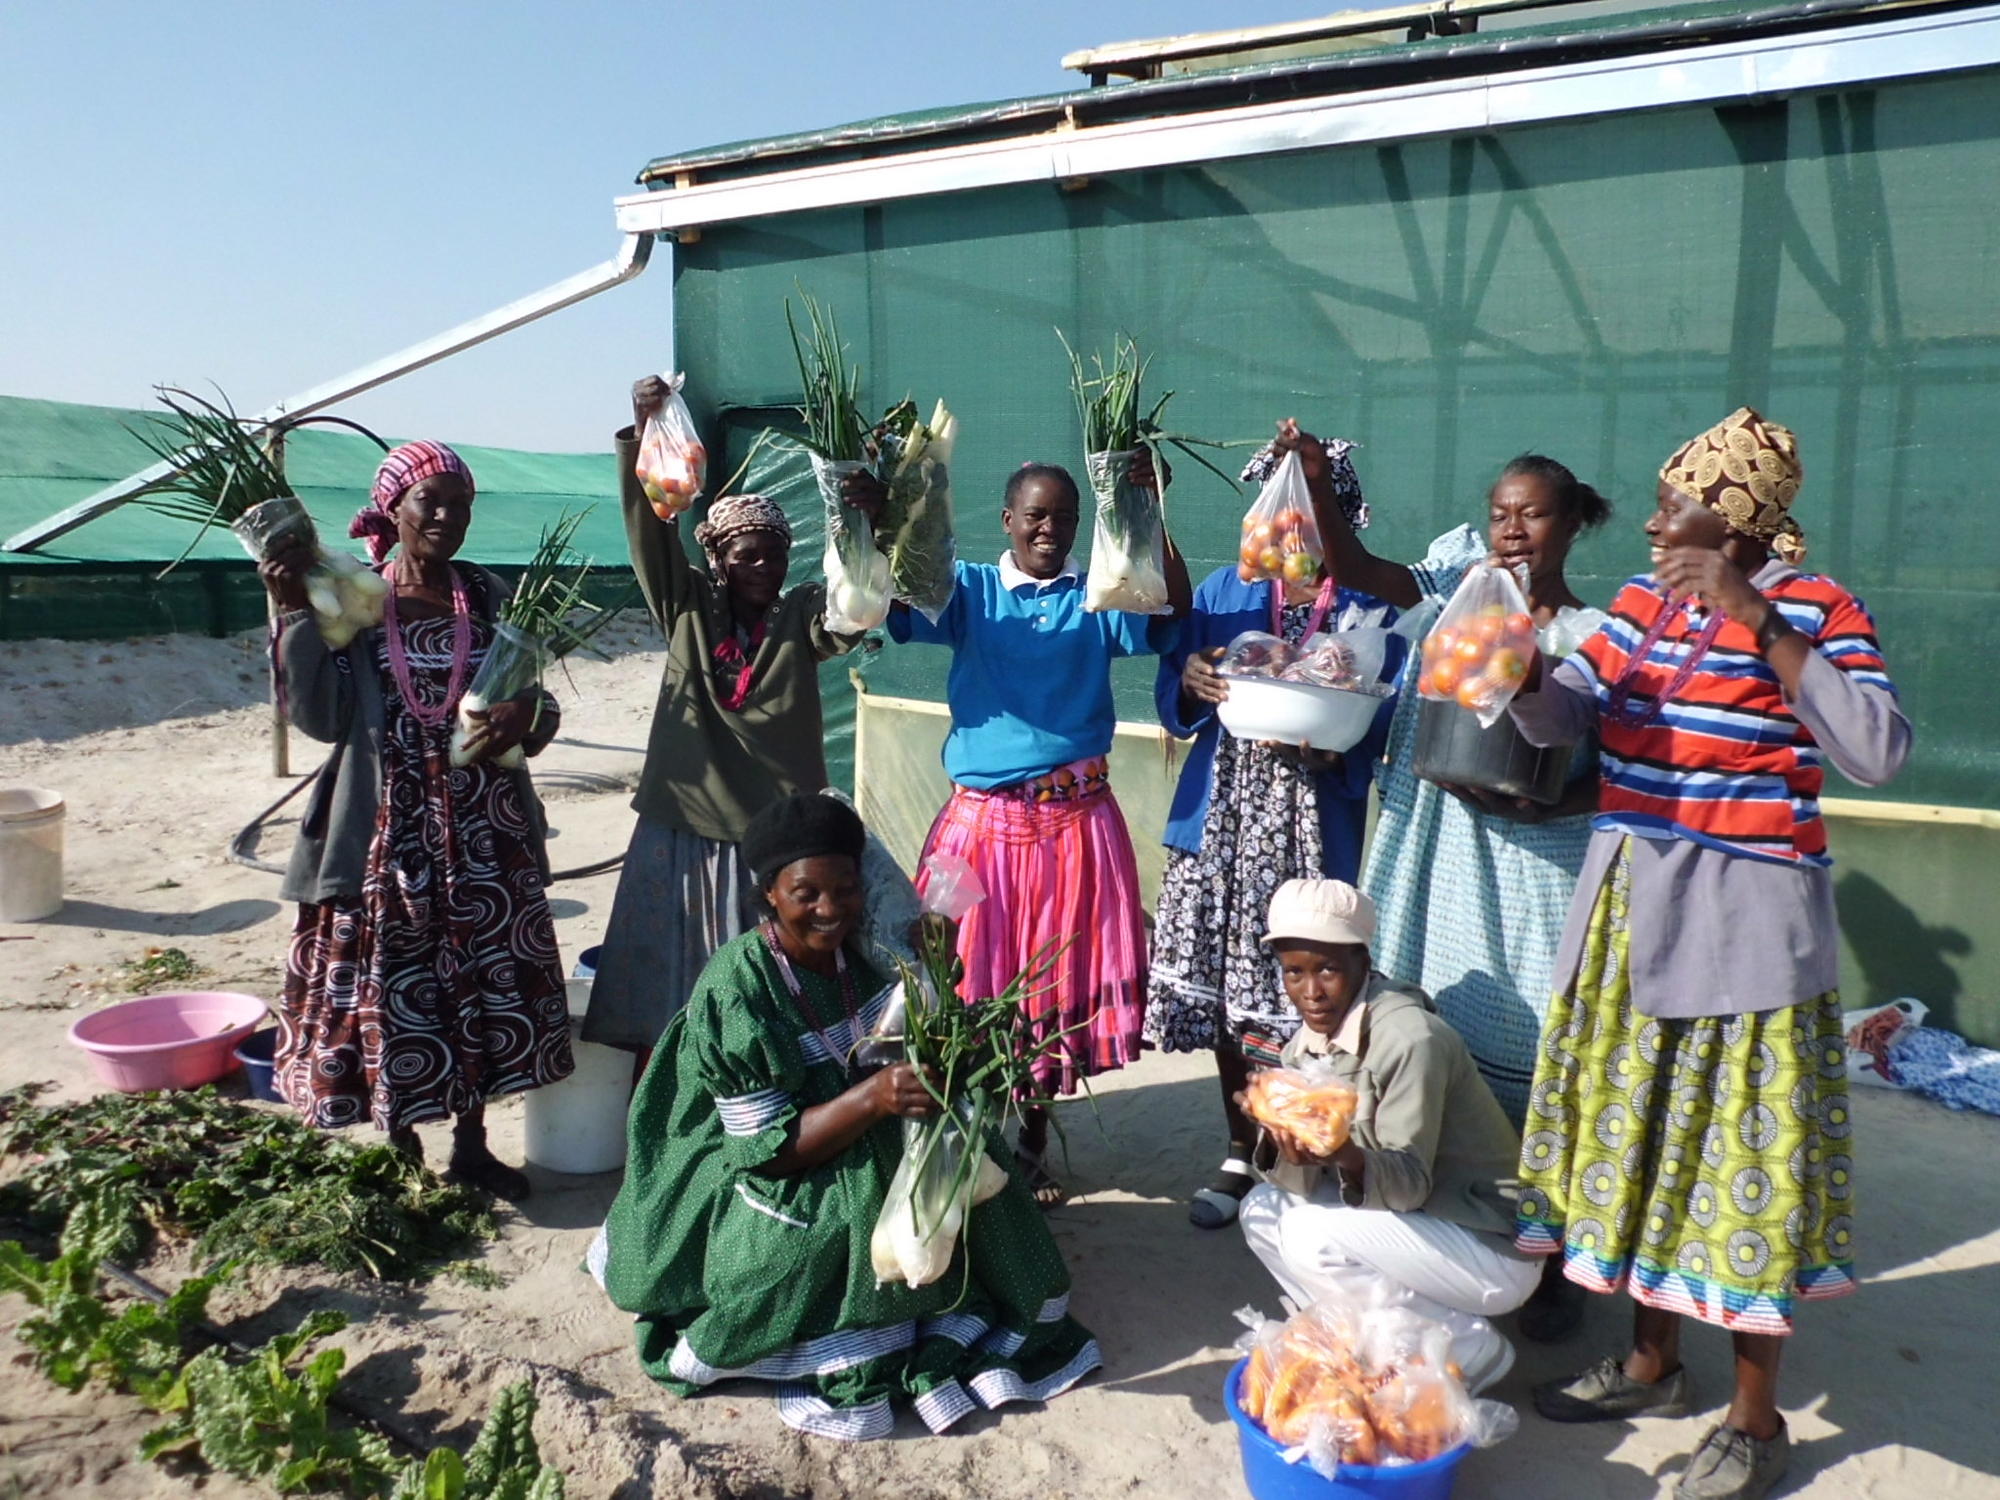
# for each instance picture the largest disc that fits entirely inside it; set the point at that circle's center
(737, 1274)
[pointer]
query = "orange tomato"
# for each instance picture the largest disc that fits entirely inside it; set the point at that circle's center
(1300, 568)
(1444, 677)
(1247, 555)
(1472, 692)
(1488, 630)
(1469, 651)
(1271, 561)
(1520, 625)
(1260, 532)
(1506, 668)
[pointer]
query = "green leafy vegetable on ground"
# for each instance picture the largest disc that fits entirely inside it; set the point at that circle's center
(266, 1419)
(158, 969)
(246, 1184)
(77, 1337)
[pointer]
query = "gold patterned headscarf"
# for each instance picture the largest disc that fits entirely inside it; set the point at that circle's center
(1747, 471)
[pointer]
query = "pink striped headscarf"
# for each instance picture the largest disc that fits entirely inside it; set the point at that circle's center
(404, 467)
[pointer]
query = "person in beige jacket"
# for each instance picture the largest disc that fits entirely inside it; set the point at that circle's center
(1416, 1208)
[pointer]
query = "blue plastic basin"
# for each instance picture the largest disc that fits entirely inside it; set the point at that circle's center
(1269, 1477)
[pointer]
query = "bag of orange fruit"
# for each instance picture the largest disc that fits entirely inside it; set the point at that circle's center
(672, 463)
(1280, 535)
(1477, 654)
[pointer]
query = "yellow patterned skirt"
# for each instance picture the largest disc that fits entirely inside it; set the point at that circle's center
(1705, 1163)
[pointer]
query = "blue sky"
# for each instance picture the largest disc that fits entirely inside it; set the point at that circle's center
(267, 195)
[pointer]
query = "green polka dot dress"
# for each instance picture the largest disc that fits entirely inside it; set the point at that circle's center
(735, 1274)
(1704, 1163)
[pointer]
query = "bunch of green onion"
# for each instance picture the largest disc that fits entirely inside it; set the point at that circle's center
(550, 606)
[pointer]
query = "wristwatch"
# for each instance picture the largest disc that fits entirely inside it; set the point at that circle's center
(1771, 628)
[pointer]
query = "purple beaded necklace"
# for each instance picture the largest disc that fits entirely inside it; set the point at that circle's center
(433, 716)
(1620, 709)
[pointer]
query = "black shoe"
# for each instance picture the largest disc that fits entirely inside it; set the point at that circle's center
(1605, 1393)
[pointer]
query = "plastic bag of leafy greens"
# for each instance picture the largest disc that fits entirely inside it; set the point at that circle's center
(928, 1199)
(916, 520)
(513, 663)
(344, 593)
(1128, 555)
(857, 574)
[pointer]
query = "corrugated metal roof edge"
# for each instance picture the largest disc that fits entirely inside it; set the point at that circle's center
(1435, 57)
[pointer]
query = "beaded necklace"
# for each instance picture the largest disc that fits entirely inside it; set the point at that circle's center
(1620, 707)
(769, 932)
(431, 715)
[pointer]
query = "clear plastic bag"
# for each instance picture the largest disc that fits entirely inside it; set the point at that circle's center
(1280, 533)
(1362, 1381)
(928, 1199)
(344, 593)
(857, 574)
(916, 520)
(1308, 1103)
(1256, 653)
(672, 465)
(513, 663)
(1128, 553)
(1477, 655)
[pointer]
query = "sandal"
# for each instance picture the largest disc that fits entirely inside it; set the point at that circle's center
(1045, 1189)
(1216, 1206)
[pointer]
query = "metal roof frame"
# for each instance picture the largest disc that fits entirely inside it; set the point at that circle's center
(1914, 45)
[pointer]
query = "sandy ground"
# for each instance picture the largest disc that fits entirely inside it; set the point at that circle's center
(161, 749)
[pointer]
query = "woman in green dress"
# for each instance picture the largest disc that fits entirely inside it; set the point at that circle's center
(760, 1160)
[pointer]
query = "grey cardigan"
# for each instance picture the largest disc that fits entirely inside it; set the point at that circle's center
(336, 697)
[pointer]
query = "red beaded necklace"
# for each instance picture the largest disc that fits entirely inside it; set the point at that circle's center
(770, 934)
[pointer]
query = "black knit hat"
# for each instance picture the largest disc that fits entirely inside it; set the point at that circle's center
(799, 827)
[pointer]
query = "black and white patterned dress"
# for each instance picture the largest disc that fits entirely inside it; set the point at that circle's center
(440, 986)
(1211, 977)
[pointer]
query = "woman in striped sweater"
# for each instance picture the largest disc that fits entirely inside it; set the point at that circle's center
(1687, 1133)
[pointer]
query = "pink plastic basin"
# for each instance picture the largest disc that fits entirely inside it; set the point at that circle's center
(167, 1041)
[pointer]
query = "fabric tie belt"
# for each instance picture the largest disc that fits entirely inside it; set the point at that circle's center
(1075, 782)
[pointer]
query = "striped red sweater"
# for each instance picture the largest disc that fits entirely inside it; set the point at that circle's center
(1726, 763)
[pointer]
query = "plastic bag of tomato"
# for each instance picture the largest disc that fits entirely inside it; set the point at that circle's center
(1280, 536)
(1478, 653)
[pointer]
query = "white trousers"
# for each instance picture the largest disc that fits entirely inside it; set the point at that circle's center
(1319, 1247)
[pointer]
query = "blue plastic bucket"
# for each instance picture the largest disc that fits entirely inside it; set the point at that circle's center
(1269, 1477)
(256, 1054)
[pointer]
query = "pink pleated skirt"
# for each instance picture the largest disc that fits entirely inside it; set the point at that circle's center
(1061, 872)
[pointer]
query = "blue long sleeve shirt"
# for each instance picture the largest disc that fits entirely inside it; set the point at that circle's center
(1225, 607)
(1030, 680)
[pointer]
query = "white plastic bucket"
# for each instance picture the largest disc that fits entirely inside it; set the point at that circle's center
(578, 1126)
(31, 854)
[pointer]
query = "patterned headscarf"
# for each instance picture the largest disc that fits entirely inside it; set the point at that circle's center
(1340, 468)
(1748, 472)
(404, 468)
(734, 515)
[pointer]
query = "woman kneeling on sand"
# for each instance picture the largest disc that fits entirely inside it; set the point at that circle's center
(761, 1158)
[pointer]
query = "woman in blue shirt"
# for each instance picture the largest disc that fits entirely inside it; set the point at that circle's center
(1031, 809)
(1246, 817)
